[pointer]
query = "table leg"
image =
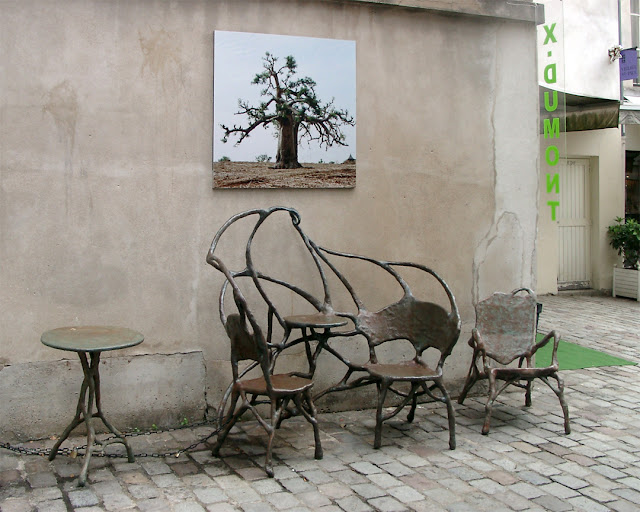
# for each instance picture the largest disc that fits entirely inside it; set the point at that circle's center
(84, 412)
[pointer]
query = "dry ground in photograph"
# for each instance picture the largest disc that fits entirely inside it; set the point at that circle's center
(262, 175)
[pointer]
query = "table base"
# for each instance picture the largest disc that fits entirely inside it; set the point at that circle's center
(84, 413)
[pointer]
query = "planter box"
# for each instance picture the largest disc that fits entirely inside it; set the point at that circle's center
(626, 283)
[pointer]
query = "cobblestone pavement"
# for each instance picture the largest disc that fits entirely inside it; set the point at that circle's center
(525, 463)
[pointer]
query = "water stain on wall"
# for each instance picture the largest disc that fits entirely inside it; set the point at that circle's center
(161, 56)
(62, 105)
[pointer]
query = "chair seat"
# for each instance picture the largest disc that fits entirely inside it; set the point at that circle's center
(283, 384)
(524, 372)
(407, 371)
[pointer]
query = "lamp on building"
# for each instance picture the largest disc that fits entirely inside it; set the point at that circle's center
(615, 53)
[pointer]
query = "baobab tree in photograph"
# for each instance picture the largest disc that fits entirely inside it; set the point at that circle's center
(292, 106)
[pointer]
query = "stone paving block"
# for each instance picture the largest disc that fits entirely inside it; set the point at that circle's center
(405, 494)
(153, 505)
(117, 501)
(221, 507)
(569, 481)
(383, 480)
(532, 477)
(487, 485)
(256, 507)
(502, 477)
(52, 506)
(628, 494)
(169, 480)
(526, 490)
(365, 468)
(622, 506)
(42, 479)
(16, 505)
(144, 491)
(266, 486)
(283, 500)
(586, 505)
(137, 477)
(45, 494)
(335, 490)
(317, 476)
(396, 469)
(353, 504)
(552, 504)
(387, 504)
(559, 490)
(156, 467)
(209, 495)
(465, 473)
(188, 506)
(297, 485)
(83, 498)
(313, 499)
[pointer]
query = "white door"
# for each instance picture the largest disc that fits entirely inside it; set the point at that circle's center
(574, 225)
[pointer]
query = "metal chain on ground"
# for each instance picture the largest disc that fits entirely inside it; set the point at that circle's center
(78, 451)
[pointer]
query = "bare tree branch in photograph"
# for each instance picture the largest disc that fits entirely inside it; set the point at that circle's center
(291, 104)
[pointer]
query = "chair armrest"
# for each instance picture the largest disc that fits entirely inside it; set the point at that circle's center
(544, 341)
(477, 344)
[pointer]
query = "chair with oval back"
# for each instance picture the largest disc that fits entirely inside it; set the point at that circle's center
(505, 331)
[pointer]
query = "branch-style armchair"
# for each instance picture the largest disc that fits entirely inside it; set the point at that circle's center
(248, 342)
(505, 331)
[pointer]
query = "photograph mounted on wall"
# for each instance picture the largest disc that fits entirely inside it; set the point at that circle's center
(284, 111)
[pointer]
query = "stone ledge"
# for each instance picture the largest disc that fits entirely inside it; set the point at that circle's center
(517, 10)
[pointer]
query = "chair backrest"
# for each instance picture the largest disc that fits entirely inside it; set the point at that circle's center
(247, 340)
(507, 325)
(424, 324)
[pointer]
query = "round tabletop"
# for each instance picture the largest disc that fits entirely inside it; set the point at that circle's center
(91, 338)
(318, 320)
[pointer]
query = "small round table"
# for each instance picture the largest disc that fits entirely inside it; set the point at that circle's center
(90, 340)
(324, 321)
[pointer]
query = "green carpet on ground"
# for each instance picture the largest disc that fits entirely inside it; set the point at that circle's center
(574, 357)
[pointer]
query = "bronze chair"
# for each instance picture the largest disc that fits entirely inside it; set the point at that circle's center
(426, 325)
(277, 390)
(505, 331)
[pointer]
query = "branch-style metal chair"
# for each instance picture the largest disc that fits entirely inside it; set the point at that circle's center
(277, 390)
(426, 325)
(505, 331)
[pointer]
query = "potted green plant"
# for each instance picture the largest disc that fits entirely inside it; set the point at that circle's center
(624, 237)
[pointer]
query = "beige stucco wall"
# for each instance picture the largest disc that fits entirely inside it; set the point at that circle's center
(605, 152)
(106, 206)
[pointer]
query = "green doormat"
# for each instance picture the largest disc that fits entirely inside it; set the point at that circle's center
(574, 357)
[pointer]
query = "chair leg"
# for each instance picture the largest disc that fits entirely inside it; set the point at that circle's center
(271, 430)
(229, 422)
(527, 395)
(414, 403)
(472, 377)
(560, 394)
(382, 394)
(311, 417)
(451, 414)
(489, 406)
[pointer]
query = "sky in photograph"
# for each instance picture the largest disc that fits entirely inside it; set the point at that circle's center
(331, 63)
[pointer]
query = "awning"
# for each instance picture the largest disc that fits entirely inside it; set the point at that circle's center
(582, 112)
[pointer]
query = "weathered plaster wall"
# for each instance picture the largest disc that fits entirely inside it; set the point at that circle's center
(106, 206)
